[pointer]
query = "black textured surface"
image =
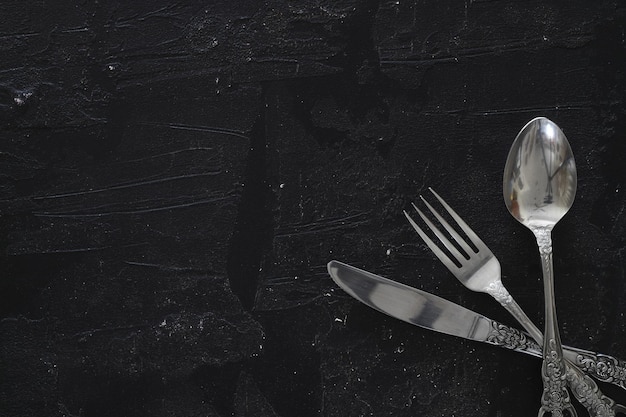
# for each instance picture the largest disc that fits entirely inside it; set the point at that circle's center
(176, 175)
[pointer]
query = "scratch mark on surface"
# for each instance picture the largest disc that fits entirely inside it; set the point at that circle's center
(135, 203)
(290, 280)
(499, 48)
(172, 153)
(91, 332)
(161, 13)
(161, 267)
(325, 225)
(574, 106)
(75, 250)
(14, 69)
(585, 106)
(197, 128)
(126, 186)
(158, 75)
(75, 30)
(132, 212)
(169, 41)
(616, 219)
(21, 318)
(18, 35)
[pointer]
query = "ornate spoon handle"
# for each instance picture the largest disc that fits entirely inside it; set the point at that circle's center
(583, 387)
(555, 398)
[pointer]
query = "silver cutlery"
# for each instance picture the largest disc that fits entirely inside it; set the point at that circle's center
(539, 189)
(431, 312)
(479, 270)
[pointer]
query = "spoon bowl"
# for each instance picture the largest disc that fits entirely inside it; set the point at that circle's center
(540, 175)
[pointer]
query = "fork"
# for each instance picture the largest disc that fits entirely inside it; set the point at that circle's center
(479, 270)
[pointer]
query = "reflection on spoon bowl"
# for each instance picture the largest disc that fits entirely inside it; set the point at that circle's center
(540, 175)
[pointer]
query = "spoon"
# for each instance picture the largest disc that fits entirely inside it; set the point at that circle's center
(539, 189)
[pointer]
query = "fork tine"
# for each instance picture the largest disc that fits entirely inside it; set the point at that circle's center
(466, 229)
(433, 247)
(442, 238)
(467, 248)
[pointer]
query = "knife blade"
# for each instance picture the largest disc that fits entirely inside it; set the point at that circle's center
(432, 312)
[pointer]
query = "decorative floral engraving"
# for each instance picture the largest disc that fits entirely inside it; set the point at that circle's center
(544, 239)
(510, 338)
(605, 368)
(555, 396)
(584, 388)
(588, 394)
(499, 292)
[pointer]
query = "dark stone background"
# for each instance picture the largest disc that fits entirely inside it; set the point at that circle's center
(176, 175)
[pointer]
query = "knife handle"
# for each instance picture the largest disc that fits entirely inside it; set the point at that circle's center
(604, 368)
(511, 338)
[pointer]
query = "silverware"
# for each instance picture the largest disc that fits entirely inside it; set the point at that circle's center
(479, 270)
(539, 189)
(431, 312)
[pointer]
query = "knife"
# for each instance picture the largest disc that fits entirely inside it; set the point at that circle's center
(431, 312)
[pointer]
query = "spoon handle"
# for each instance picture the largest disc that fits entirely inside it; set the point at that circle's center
(584, 389)
(555, 398)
